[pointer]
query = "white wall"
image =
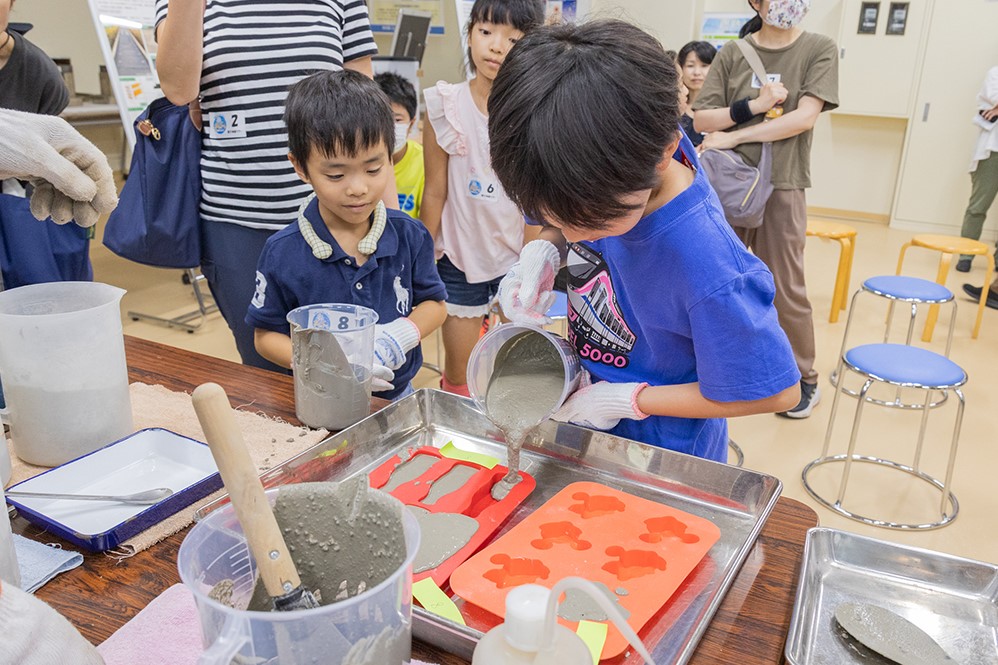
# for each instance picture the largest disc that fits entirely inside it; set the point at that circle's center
(64, 29)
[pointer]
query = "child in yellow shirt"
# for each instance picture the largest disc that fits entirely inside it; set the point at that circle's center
(407, 155)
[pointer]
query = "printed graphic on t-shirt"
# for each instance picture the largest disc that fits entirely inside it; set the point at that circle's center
(598, 329)
(407, 202)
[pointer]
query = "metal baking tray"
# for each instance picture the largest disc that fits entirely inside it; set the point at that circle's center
(954, 600)
(738, 501)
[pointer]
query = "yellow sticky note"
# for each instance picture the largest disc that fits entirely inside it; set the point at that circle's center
(453, 452)
(593, 633)
(433, 599)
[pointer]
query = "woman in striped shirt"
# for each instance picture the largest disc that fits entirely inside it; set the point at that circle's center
(240, 57)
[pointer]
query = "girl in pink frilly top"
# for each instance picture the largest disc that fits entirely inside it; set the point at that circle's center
(478, 231)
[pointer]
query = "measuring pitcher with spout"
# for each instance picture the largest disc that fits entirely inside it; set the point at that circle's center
(62, 364)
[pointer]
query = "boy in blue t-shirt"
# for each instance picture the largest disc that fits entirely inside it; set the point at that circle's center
(672, 316)
(346, 246)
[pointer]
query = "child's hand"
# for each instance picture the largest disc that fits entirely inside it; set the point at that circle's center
(601, 405)
(525, 292)
(381, 378)
(393, 340)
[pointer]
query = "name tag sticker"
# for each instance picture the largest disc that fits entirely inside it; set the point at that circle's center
(226, 125)
(770, 78)
(482, 187)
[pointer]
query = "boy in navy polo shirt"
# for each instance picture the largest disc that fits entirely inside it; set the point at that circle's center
(346, 246)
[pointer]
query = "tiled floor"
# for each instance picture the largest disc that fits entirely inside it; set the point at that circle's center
(772, 445)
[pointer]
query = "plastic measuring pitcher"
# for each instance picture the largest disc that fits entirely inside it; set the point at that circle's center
(62, 363)
(332, 355)
(372, 627)
(493, 351)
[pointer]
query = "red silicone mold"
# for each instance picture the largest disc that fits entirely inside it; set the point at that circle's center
(473, 498)
(640, 550)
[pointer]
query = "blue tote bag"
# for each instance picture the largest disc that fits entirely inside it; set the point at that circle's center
(156, 221)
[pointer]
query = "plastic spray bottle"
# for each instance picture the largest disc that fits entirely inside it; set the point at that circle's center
(532, 635)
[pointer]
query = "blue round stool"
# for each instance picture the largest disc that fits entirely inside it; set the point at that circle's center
(914, 292)
(901, 366)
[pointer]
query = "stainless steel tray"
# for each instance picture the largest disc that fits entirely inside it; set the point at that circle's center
(954, 600)
(738, 501)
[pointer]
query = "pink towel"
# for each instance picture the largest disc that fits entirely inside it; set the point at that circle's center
(166, 632)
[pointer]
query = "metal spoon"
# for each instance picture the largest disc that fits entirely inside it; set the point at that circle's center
(145, 498)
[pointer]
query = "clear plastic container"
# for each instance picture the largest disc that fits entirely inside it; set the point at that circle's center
(333, 353)
(372, 627)
(489, 350)
(62, 359)
(9, 572)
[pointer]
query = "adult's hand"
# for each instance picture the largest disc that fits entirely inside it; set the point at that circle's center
(770, 95)
(70, 175)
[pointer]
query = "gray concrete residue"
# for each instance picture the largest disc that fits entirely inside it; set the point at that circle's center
(409, 470)
(329, 391)
(890, 635)
(450, 482)
(621, 591)
(441, 536)
(526, 384)
(388, 646)
(343, 537)
(578, 605)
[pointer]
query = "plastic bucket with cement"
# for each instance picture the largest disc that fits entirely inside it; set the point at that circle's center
(332, 356)
(492, 349)
(372, 627)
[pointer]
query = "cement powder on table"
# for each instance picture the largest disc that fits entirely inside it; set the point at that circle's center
(526, 384)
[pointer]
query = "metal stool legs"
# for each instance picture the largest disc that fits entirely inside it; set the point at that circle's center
(183, 321)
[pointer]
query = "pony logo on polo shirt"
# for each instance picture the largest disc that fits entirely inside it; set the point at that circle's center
(260, 295)
(401, 295)
(598, 331)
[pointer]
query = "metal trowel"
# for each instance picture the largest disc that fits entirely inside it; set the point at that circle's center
(890, 635)
(263, 536)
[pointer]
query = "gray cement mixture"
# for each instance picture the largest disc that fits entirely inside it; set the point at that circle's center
(343, 537)
(450, 482)
(441, 536)
(526, 384)
(409, 470)
(578, 605)
(388, 646)
(329, 391)
(890, 635)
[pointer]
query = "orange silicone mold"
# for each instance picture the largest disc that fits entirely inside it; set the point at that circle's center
(640, 550)
(472, 498)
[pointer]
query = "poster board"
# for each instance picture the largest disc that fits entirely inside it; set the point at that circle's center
(719, 28)
(125, 32)
(384, 13)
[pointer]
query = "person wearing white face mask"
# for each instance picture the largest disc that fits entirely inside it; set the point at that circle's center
(802, 68)
(407, 155)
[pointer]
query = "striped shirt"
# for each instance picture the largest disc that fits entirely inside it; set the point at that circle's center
(254, 50)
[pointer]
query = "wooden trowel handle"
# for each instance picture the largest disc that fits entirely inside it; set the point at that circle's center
(245, 490)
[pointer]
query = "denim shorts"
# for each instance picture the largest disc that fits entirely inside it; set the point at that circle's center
(464, 299)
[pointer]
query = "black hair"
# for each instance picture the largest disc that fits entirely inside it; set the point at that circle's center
(704, 51)
(337, 113)
(524, 15)
(399, 91)
(672, 55)
(754, 24)
(579, 117)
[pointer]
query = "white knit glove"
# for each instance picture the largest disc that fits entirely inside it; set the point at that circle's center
(601, 405)
(71, 176)
(525, 292)
(35, 634)
(381, 379)
(391, 342)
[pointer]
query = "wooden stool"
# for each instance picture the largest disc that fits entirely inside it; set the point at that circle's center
(844, 234)
(948, 246)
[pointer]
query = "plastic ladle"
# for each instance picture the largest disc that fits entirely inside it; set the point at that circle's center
(146, 498)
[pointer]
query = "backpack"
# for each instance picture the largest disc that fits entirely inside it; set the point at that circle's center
(743, 189)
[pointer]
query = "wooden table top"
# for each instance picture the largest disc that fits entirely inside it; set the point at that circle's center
(749, 628)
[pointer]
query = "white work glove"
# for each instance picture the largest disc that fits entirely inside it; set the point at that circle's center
(525, 292)
(391, 342)
(35, 634)
(381, 379)
(601, 405)
(71, 176)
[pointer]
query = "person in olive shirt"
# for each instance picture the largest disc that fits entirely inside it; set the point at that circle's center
(739, 112)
